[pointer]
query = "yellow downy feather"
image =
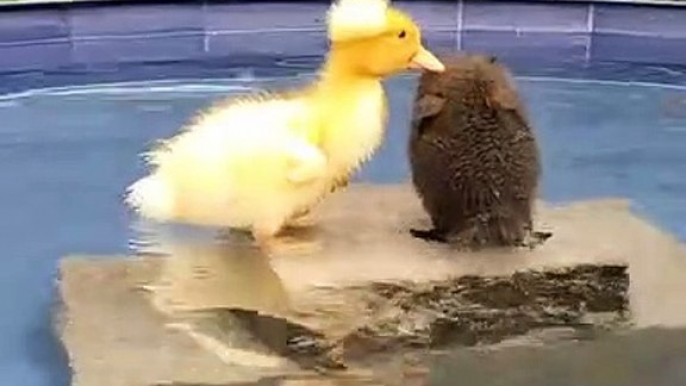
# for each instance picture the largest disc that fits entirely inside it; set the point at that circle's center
(258, 161)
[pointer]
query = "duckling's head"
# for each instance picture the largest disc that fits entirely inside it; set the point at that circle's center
(370, 38)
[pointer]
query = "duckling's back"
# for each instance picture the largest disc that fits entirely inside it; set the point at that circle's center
(230, 166)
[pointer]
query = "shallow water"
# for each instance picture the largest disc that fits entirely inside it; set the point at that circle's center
(67, 154)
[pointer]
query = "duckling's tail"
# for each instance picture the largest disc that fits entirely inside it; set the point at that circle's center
(151, 197)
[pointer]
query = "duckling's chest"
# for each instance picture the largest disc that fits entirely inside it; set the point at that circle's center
(356, 127)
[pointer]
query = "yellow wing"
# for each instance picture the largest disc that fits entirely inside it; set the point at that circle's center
(306, 161)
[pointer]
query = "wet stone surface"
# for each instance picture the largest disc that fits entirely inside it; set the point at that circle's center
(465, 311)
(377, 306)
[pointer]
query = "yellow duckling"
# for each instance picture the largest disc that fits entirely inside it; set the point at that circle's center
(260, 162)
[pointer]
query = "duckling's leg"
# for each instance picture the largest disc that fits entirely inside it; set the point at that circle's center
(304, 218)
(265, 236)
(301, 220)
(340, 183)
(270, 243)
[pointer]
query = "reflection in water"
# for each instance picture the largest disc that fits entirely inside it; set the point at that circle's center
(199, 275)
(201, 279)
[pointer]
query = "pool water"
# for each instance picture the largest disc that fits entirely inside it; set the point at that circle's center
(66, 156)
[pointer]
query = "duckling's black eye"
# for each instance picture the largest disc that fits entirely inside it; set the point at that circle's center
(402, 34)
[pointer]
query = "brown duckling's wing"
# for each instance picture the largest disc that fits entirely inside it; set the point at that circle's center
(427, 106)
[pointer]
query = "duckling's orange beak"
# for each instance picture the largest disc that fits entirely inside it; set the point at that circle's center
(426, 60)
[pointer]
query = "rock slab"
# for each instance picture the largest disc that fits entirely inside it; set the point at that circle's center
(214, 314)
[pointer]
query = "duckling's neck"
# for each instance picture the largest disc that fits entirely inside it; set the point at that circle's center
(353, 108)
(339, 69)
(341, 83)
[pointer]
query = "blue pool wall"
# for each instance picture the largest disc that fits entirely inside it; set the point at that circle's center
(56, 44)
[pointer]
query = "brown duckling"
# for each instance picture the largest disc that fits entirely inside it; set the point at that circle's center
(474, 157)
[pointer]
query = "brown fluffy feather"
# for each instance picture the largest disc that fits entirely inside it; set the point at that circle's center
(474, 156)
